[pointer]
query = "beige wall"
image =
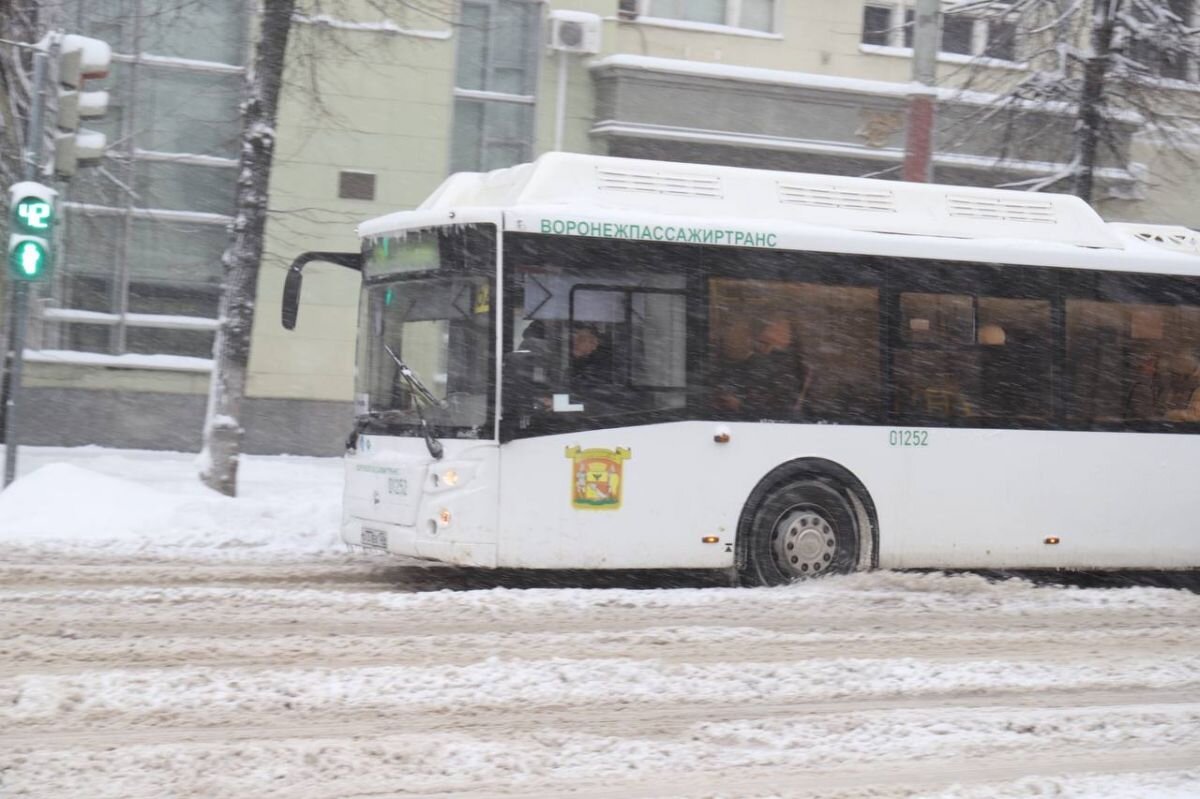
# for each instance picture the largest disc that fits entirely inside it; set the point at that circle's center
(356, 101)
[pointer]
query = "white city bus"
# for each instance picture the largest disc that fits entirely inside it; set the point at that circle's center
(600, 363)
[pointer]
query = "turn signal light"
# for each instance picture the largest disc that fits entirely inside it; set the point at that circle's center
(444, 517)
(1052, 539)
(711, 539)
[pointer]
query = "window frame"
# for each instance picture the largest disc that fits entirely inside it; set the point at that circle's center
(733, 17)
(487, 99)
(898, 33)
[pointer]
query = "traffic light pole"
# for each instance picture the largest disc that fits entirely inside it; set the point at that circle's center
(20, 288)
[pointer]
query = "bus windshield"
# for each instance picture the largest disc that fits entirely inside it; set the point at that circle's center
(426, 345)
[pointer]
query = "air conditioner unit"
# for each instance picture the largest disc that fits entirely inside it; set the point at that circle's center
(574, 31)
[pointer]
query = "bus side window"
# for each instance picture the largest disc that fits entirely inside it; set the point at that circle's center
(1133, 361)
(824, 337)
(936, 365)
(1014, 350)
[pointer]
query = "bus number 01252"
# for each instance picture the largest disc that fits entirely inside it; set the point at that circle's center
(908, 438)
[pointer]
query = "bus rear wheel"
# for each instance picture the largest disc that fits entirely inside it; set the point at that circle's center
(802, 528)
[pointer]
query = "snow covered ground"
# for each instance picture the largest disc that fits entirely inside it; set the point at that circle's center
(159, 640)
(138, 500)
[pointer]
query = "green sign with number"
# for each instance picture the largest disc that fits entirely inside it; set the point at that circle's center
(33, 215)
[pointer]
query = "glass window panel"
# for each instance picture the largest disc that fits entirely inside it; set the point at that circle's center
(909, 16)
(936, 372)
(158, 341)
(514, 48)
(471, 67)
(1001, 40)
(758, 15)
(818, 343)
(1015, 345)
(956, 33)
(185, 187)
(176, 252)
(877, 23)
(173, 298)
(91, 244)
(491, 134)
(465, 153)
(658, 340)
(205, 30)
(611, 339)
(185, 112)
(711, 11)
(1133, 362)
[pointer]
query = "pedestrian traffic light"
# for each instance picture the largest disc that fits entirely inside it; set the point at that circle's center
(80, 58)
(31, 230)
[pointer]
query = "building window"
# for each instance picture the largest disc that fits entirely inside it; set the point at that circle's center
(891, 25)
(1159, 61)
(494, 84)
(758, 15)
(141, 265)
(356, 185)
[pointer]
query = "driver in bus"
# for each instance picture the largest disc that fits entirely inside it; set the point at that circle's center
(771, 381)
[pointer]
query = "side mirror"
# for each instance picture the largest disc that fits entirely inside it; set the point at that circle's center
(291, 284)
(291, 298)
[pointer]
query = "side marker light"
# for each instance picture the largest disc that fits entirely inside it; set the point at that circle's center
(711, 539)
(1052, 539)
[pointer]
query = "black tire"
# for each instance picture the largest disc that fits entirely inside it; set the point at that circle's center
(797, 529)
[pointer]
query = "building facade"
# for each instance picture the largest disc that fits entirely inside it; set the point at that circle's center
(381, 105)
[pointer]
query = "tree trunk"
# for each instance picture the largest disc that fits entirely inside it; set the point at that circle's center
(231, 350)
(1091, 96)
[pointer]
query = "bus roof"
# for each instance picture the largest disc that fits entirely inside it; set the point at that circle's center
(696, 199)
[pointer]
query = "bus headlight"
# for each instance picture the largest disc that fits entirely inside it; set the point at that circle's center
(444, 478)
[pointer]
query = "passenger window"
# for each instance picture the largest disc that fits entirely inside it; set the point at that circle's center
(1014, 345)
(605, 343)
(965, 356)
(783, 349)
(936, 365)
(1133, 362)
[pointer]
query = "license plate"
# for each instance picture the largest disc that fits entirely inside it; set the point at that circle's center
(375, 539)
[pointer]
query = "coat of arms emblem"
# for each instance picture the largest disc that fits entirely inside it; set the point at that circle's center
(597, 477)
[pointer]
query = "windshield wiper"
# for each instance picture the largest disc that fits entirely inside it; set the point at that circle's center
(419, 390)
(415, 383)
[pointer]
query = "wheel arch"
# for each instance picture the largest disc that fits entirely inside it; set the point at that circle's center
(828, 471)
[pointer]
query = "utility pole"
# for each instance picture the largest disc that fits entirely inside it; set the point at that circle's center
(30, 161)
(33, 205)
(918, 146)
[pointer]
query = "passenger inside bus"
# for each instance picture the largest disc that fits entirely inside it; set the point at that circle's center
(770, 381)
(1181, 394)
(591, 359)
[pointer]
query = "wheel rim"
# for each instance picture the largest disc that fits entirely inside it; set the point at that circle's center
(804, 542)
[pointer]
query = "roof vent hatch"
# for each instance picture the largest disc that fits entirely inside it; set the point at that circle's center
(659, 183)
(830, 197)
(1001, 210)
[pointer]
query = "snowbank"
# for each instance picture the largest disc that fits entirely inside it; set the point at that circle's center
(136, 500)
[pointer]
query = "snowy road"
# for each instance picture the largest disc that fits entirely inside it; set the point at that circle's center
(126, 675)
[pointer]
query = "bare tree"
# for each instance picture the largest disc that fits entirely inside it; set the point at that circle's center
(231, 350)
(19, 22)
(1114, 67)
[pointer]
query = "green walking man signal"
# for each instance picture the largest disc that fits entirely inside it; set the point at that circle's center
(31, 233)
